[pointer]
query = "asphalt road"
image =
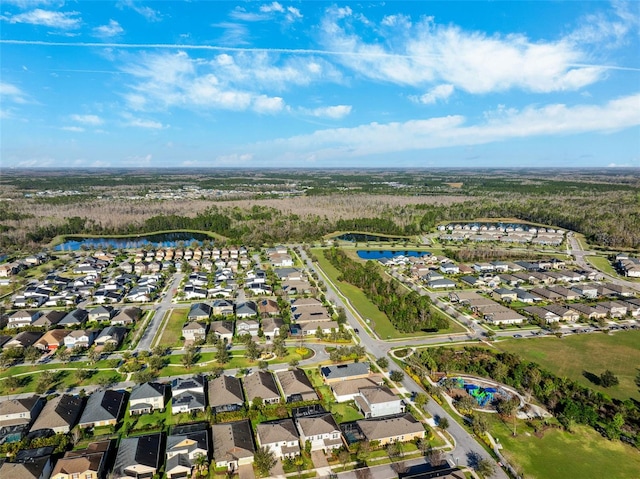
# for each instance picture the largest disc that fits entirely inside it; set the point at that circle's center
(466, 446)
(162, 308)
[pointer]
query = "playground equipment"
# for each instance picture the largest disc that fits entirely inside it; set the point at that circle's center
(482, 395)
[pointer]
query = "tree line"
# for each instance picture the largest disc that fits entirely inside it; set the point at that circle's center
(408, 311)
(570, 402)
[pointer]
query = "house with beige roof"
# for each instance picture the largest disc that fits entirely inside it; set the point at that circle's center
(345, 391)
(378, 401)
(59, 414)
(261, 384)
(16, 415)
(232, 444)
(225, 394)
(52, 340)
(321, 431)
(296, 386)
(36, 468)
(280, 437)
(394, 429)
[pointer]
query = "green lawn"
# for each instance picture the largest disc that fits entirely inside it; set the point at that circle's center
(365, 308)
(173, 328)
(595, 352)
(558, 454)
(603, 264)
(347, 412)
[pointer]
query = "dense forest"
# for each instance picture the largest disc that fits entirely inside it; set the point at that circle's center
(570, 402)
(408, 311)
(305, 205)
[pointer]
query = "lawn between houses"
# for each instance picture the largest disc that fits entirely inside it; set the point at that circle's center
(367, 310)
(594, 353)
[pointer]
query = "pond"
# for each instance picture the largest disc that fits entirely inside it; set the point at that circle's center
(160, 240)
(379, 254)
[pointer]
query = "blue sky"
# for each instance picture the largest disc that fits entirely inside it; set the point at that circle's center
(319, 84)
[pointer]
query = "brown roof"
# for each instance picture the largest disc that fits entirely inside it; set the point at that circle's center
(353, 386)
(61, 411)
(294, 382)
(55, 336)
(318, 425)
(78, 462)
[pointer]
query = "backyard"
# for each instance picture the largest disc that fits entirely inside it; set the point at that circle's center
(172, 331)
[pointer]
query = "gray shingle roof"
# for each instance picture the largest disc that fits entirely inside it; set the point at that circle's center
(225, 390)
(103, 406)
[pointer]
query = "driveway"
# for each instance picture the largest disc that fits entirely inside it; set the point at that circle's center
(321, 464)
(246, 472)
(277, 472)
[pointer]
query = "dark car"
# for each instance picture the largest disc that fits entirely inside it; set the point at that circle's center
(357, 331)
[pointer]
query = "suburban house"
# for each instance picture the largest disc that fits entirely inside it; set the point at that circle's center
(188, 395)
(543, 314)
(378, 401)
(295, 386)
(442, 283)
(225, 394)
(127, 316)
(449, 268)
(388, 430)
(52, 340)
(261, 384)
(268, 307)
(111, 335)
(80, 338)
(16, 415)
(246, 309)
(565, 293)
(311, 328)
(199, 312)
(321, 431)
(102, 313)
(614, 309)
(104, 408)
(280, 437)
(49, 319)
(291, 274)
(89, 463)
(586, 290)
(33, 468)
(183, 451)
(503, 294)
(222, 307)
(23, 340)
(232, 444)
(247, 326)
(271, 327)
(222, 330)
(59, 414)
(20, 319)
(564, 313)
(342, 372)
(148, 397)
(348, 390)
(138, 457)
(194, 331)
(76, 317)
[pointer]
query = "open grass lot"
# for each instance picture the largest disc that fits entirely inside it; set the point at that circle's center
(173, 328)
(365, 308)
(596, 352)
(603, 264)
(559, 454)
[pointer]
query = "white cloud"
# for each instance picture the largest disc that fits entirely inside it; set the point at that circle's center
(500, 125)
(272, 7)
(139, 160)
(10, 92)
(112, 29)
(75, 129)
(93, 120)
(440, 92)
(48, 18)
(142, 123)
(147, 12)
(425, 53)
(233, 159)
(335, 112)
(265, 104)
(230, 82)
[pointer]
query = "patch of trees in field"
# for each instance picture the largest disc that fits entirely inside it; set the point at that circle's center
(408, 311)
(570, 402)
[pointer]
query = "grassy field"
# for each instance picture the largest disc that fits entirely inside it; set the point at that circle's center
(365, 308)
(173, 328)
(559, 454)
(596, 352)
(603, 264)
